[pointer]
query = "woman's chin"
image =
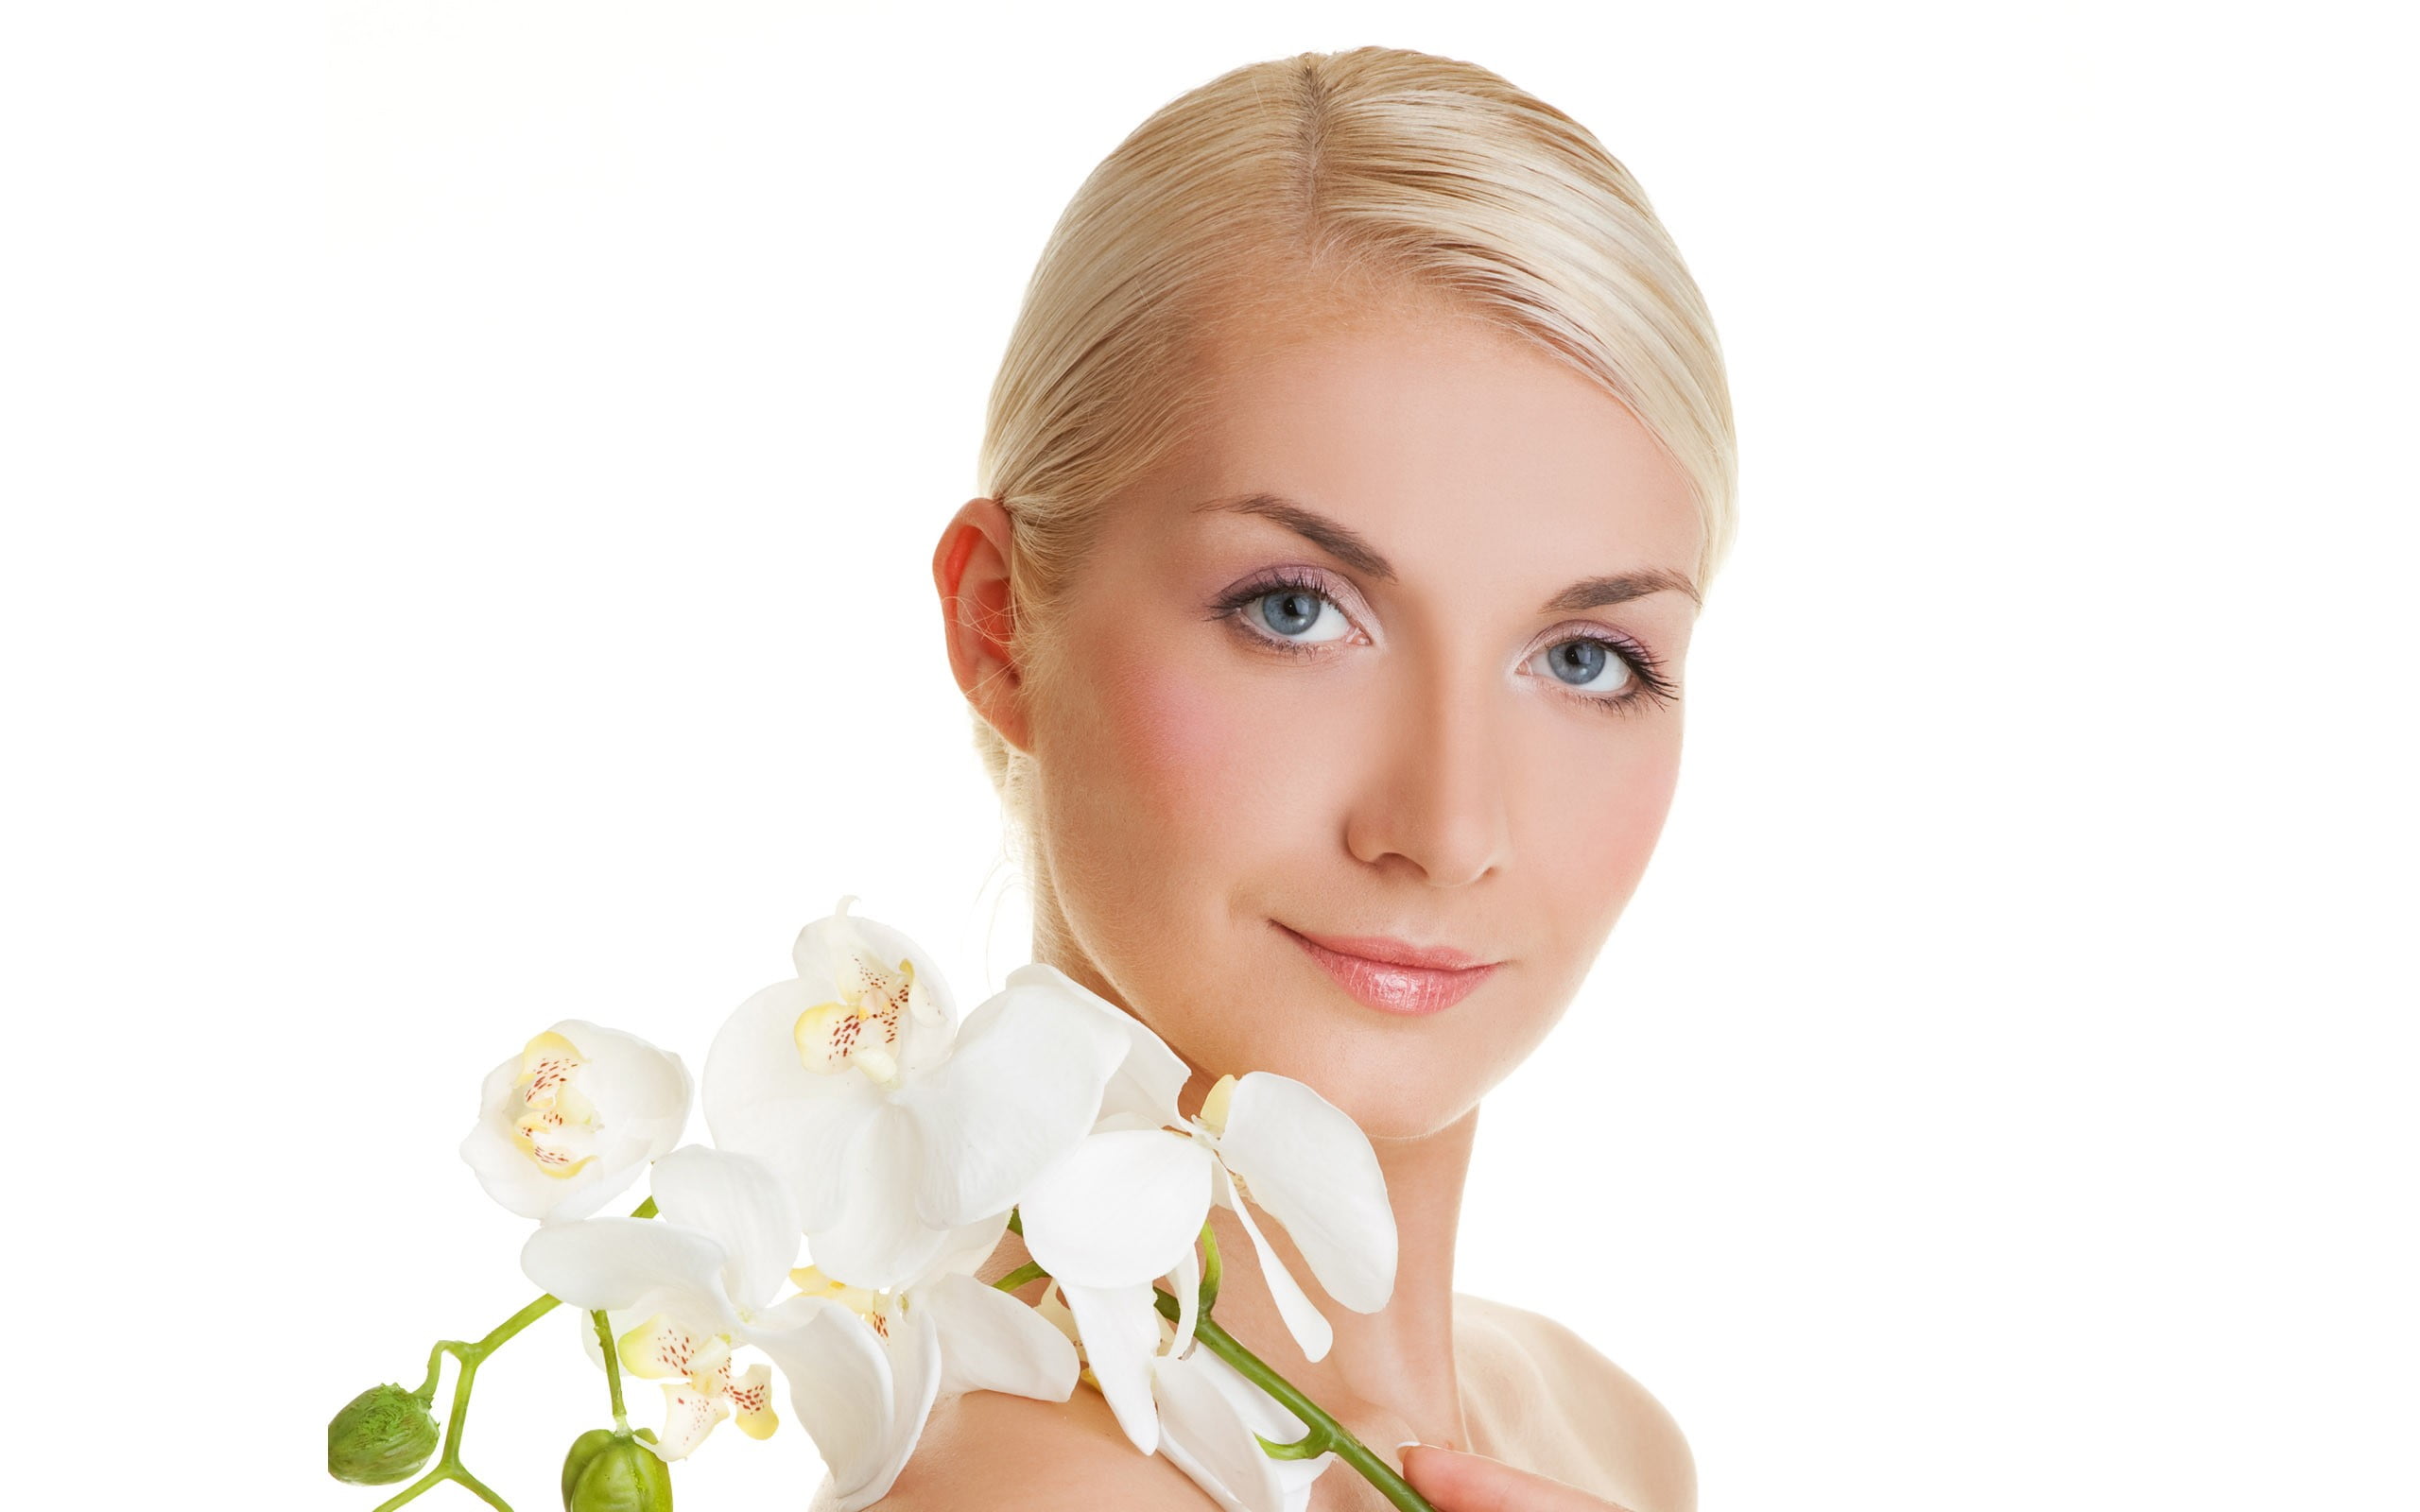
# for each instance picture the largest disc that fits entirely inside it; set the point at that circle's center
(1397, 1121)
(1389, 1099)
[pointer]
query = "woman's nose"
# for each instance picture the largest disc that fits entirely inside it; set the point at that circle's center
(1434, 798)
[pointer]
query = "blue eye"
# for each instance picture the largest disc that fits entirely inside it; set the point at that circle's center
(1581, 663)
(1286, 611)
(1294, 612)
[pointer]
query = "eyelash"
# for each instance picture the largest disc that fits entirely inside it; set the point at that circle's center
(1651, 685)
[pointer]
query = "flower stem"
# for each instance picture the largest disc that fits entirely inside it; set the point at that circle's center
(468, 1358)
(613, 1370)
(1325, 1434)
(427, 1392)
(1027, 1272)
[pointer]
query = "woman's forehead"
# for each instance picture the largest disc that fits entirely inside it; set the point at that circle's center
(1438, 438)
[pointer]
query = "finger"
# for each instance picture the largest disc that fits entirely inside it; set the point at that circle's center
(1455, 1482)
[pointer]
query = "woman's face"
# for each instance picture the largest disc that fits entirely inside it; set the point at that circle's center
(1392, 650)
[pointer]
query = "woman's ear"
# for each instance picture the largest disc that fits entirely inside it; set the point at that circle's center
(971, 572)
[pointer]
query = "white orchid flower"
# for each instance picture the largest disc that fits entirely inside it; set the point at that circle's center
(1124, 1205)
(690, 1411)
(1209, 1412)
(901, 1135)
(701, 1275)
(865, 1371)
(565, 1126)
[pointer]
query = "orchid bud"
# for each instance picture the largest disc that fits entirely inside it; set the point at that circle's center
(612, 1472)
(384, 1434)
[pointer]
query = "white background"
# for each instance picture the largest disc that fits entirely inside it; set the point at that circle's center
(471, 472)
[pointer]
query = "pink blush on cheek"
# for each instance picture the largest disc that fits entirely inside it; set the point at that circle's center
(1200, 752)
(1176, 731)
(1218, 764)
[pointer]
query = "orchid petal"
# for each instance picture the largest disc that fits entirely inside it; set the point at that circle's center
(1119, 1207)
(658, 1350)
(914, 1352)
(788, 1316)
(879, 1242)
(1023, 1084)
(504, 1171)
(841, 1389)
(610, 1263)
(1121, 1331)
(751, 1400)
(1202, 1433)
(1143, 1093)
(1305, 1322)
(1310, 1167)
(992, 1342)
(737, 1202)
(1186, 1282)
(761, 1101)
(642, 1095)
(969, 1246)
(690, 1415)
(1208, 1414)
(1051, 1307)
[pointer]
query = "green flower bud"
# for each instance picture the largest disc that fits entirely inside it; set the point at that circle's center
(610, 1472)
(384, 1434)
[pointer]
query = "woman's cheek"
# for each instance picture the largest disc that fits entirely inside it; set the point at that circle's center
(1593, 836)
(1206, 748)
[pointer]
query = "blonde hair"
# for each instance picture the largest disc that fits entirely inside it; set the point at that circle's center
(1334, 180)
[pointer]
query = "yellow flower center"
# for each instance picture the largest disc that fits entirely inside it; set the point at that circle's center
(862, 1026)
(875, 1307)
(556, 1127)
(700, 1384)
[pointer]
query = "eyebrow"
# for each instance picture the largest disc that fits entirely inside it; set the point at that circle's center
(1352, 549)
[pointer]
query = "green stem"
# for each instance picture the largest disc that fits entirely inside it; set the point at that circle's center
(427, 1392)
(1325, 1434)
(1027, 1272)
(479, 1488)
(613, 1370)
(512, 1326)
(468, 1358)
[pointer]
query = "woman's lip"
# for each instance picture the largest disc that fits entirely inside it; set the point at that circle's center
(1387, 951)
(1392, 987)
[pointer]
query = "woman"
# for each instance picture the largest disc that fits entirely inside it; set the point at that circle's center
(1359, 464)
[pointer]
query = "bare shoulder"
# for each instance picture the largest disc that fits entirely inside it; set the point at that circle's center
(1537, 1391)
(986, 1452)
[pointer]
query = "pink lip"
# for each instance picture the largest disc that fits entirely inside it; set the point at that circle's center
(1392, 976)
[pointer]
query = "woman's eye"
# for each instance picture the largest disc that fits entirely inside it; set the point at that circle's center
(1587, 663)
(1299, 614)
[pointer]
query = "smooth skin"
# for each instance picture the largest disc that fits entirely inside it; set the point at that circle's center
(1398, 741)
